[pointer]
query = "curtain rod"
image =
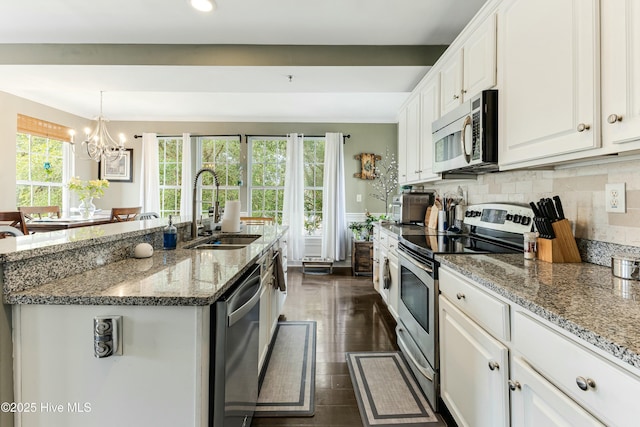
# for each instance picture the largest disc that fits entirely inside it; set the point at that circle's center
(309, 136)
(176, 136)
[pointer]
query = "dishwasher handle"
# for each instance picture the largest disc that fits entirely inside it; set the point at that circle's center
(241, 311)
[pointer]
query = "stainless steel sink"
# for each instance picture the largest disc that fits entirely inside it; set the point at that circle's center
(226, 242)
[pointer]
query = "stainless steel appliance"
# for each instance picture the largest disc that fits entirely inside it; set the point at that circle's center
(465, 140)
(233, 372)
(492, 228)
(410, 208)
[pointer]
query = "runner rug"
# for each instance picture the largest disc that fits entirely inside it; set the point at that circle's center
(287, 385)
(386, 391)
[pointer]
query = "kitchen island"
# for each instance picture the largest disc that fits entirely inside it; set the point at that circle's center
(164, 303)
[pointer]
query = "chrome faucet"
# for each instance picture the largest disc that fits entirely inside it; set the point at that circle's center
(216, 207)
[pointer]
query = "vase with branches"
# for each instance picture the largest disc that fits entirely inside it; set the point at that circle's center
(385, 183)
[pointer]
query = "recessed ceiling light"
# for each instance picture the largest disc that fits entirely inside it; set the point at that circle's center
(203, 5)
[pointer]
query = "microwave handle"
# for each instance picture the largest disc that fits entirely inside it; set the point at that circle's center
(467, 122)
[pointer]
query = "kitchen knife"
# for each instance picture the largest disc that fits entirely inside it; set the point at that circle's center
(559, 207)
(535, 210)
(551, 210)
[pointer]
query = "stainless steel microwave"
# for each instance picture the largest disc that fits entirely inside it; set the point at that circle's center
(466, 139)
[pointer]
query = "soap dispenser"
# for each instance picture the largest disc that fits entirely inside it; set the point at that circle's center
(170, 235)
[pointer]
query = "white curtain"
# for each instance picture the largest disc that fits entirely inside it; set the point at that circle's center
(334, 222)
(68, 170)
(149, 176)
(186, 193)
(293, 205)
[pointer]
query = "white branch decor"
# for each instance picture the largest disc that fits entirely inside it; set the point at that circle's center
(385, 183)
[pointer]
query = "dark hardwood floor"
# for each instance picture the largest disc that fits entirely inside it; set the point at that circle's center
(350, 316)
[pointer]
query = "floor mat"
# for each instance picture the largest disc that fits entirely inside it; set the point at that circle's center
(288, 384)
(386, 391)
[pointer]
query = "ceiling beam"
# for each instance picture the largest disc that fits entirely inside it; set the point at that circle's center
(219, 55)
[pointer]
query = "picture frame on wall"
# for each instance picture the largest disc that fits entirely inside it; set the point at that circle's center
(120, 170)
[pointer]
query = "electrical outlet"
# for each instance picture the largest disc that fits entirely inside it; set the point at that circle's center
(358, 197)
(615, 198)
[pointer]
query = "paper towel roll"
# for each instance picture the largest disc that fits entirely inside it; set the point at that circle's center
(231, 217)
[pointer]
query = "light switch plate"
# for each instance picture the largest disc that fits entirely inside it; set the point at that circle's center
(615, 198)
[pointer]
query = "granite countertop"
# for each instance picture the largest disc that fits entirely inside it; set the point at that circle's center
(583, 299)
(178, 277)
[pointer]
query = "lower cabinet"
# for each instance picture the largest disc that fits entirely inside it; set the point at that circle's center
(533, 374)
(394, 288)
(474, 370)
(537, 402)
(386, 268)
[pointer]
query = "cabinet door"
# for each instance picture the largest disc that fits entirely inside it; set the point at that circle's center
(413, 140)
(620, 57)
(548, 80)
(473, 371)
(451, 83)
(402, 147)
(480, 59)
(536, 402)
(394, 290)
(430, 111)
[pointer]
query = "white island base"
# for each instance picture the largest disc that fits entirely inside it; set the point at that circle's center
(161, 378)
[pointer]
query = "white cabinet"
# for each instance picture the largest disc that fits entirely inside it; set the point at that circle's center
(474, 369)
(471, 69)
(394, 289)
(620, 59)
(415, 143)
(385, 244)
(548, 84)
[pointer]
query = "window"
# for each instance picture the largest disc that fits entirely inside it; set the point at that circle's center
(170, 174)
(39, 171)
(222, 154)
(268, 156)
(313, 183)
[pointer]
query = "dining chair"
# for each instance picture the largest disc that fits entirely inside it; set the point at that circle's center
(32, 212)
(124, 214)
(147, 215)
(14, 219)
(256, 220)
(8, 231)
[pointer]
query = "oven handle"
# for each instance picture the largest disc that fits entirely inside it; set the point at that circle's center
(408, 353)
(420, 266)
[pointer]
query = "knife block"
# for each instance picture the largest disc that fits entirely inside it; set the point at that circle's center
(561, 249)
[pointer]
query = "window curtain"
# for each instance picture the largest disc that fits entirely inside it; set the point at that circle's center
(186, 196)
(149, 174)
(293, 204)
(334, 221)
(68, 170)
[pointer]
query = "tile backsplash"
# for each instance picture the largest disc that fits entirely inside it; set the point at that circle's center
(582, 189)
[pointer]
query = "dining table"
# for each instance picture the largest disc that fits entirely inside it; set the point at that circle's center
(52, 224)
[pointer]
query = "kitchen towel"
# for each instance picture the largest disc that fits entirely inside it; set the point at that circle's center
(231, 217)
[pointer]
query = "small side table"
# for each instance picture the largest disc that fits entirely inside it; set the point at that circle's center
(314, 265)
(362, 257)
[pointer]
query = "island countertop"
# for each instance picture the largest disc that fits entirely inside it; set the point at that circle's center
(583, 299)
(175, 277)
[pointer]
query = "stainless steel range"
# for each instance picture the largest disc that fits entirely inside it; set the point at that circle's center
(491, 228)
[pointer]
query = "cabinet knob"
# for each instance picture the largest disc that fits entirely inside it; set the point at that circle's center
(460, 295)
(582, 127)
(613, 118)
(514, 385)
(456, 96)
(585, 383)
(493, 365)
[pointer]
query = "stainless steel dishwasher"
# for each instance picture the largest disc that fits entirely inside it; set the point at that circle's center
(233, 372)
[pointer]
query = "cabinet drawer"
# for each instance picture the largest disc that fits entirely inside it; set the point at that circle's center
(491, 313)
(613, 393)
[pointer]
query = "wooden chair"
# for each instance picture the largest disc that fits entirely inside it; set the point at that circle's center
(14, 219)
(31, 212)
(8, 231)
(124, 214)
(256, 220)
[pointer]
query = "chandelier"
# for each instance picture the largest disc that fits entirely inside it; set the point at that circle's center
(100, 145)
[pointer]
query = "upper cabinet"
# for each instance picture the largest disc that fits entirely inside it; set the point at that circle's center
(548, 80)
(415, 146)
(620, 59)
(470, 69)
